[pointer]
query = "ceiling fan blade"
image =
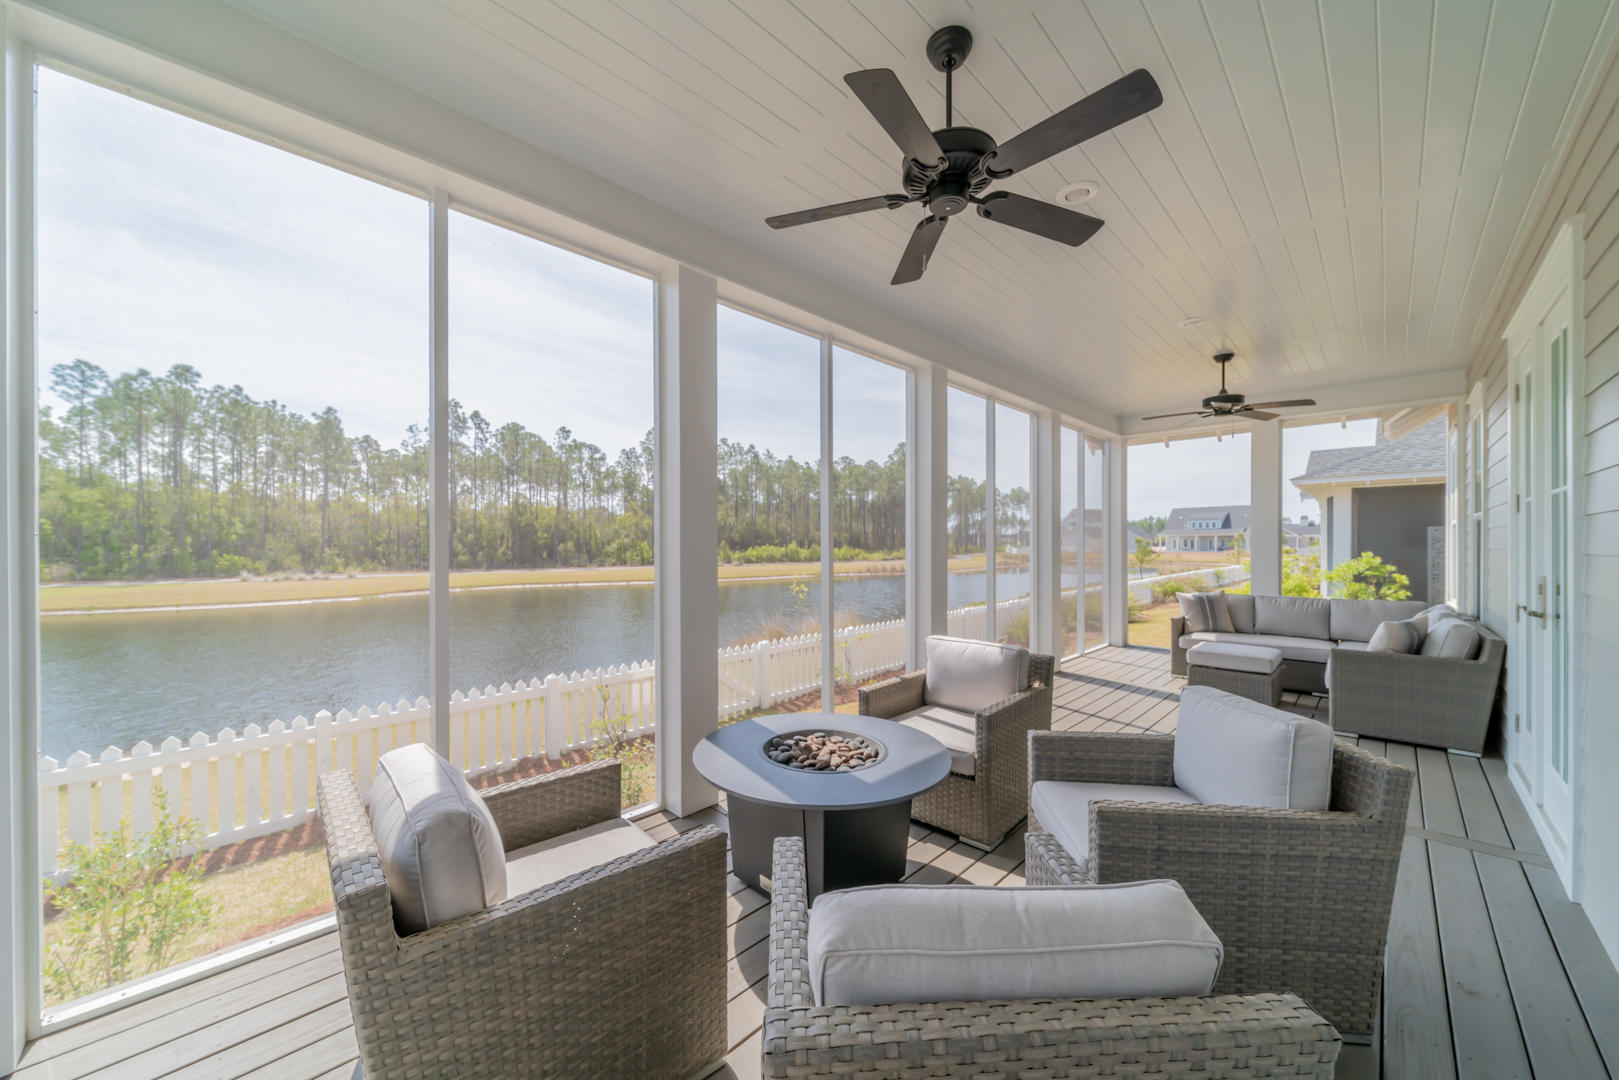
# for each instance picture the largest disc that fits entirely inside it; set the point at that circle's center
(1296, 403)
(1258, 414)
(924, 238)
(836, 210)
(1041, 218)
(1121, 100)
(880, 91)
(1168, 415)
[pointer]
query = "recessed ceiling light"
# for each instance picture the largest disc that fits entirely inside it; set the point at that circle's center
(1083, 191)
(1192, 320)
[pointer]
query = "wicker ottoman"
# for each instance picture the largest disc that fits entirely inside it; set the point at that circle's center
(1250, 671)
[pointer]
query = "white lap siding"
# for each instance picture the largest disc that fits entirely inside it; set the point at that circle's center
(1587, 183)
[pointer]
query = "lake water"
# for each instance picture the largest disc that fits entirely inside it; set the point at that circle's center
(114, 679)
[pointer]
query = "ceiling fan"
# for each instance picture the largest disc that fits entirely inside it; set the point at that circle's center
(1227, 404)
(949, 169)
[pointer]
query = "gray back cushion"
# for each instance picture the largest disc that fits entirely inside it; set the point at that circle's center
(888, 944)
(1230, 751)
(1293, 616)
(1399, 637)
(1453, 638)
(1358, 620)
(1240, 606)
(441, 852)
(971, 675)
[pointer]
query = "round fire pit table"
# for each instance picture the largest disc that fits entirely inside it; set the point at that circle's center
(854, 822)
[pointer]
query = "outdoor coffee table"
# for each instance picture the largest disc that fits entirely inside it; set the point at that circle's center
(855, 825)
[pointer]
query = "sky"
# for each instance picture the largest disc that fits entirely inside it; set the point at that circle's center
(165, 240)
(1204, 472)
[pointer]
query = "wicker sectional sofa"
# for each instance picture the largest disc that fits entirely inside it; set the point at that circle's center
(1431, 700)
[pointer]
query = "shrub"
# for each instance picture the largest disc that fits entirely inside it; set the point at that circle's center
(127, 906)
(1367, 577)
(1165, 591)
(1301, 573)
(636, 754)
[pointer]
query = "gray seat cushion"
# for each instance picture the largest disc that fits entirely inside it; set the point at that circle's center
(1312, 650)
(1230, 751)
(549, 861)
(1227, 656)
(440, 849)
(1063, 808)
(887, 944)
(1293, 616)
(1357, 620)
(957, 730)
(972, 675)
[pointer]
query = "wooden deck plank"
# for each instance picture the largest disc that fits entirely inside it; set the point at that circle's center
(1590, 972)
(92, 1057)
(1555, 1030)
(1483, 1024)
(237, 985)
(1513, 814)
(1480, 812)
(1562, 988)
(1416, 1029)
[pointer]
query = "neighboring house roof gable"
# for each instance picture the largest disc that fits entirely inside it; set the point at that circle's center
(1420, 454)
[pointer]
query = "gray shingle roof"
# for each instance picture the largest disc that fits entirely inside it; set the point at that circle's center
(1421, 453)
(1230, 518)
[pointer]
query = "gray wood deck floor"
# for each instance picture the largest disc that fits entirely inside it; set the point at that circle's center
(1491, 972)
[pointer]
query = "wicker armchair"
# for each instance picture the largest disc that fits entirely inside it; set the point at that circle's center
(984, 807)
(617, 971)
(1300, 898)
(1271, 1035)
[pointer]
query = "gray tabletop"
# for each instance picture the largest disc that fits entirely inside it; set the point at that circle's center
(733, 759)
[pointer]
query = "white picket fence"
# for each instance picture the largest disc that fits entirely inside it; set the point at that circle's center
(1141, 588)
(237, 786)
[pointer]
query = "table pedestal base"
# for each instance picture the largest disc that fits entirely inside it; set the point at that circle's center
(842, 848)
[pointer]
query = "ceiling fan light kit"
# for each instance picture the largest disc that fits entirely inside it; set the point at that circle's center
(1227, 404)
(949, 169)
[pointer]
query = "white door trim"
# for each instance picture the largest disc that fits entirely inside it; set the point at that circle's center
(1559, 279)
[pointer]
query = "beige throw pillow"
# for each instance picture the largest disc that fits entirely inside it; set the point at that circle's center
(1404, 636)
(1206, 612)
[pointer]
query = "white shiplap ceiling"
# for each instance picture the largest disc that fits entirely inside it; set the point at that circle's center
(1334, 187)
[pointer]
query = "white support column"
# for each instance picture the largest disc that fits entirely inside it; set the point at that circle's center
(686, 545)
(440, 507)
(1115, 591)
(1265, 506)
(1045, 628)
(990, 531)
(828, 629)
(927, 539)
(20, 985)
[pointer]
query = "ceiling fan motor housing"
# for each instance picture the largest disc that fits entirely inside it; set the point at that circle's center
(947, 190)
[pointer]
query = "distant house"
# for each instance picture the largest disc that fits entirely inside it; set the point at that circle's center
(1204, 528)
(1300, 536)
(1387, 498)
(1138, 533)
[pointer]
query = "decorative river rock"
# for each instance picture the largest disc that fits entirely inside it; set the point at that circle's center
(823, 751)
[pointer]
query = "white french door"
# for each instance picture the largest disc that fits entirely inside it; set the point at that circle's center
(1540, 747)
